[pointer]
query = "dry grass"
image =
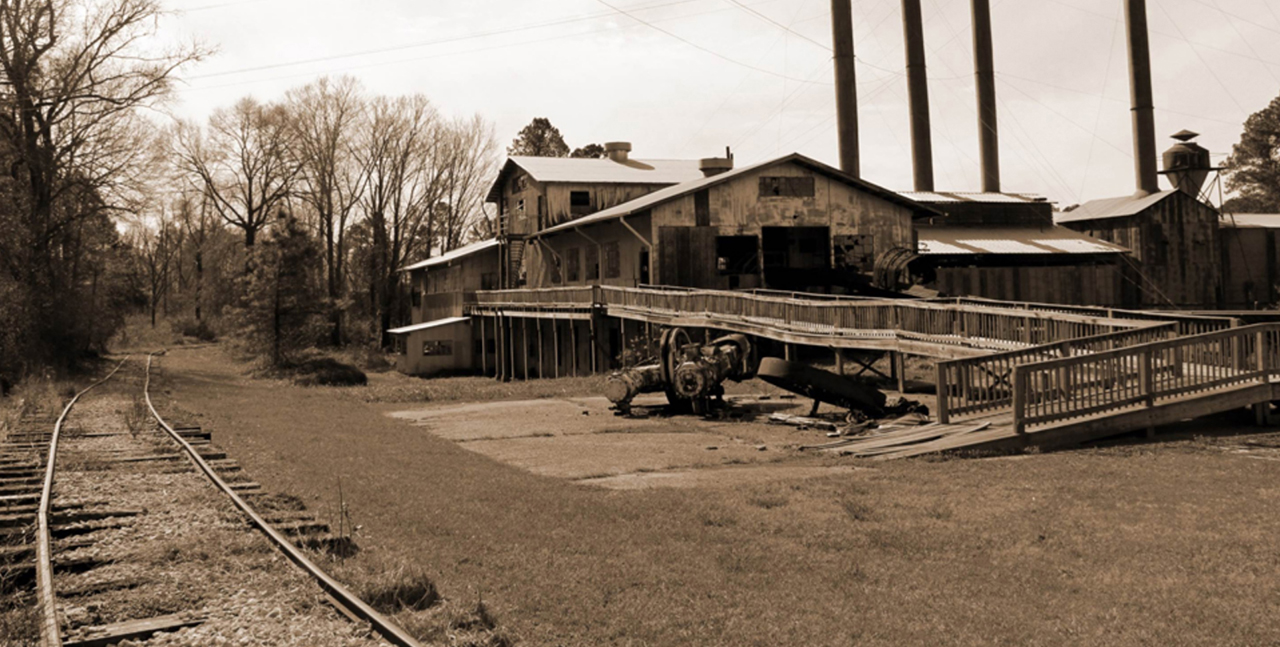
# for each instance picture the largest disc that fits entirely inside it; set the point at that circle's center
(1169, 544)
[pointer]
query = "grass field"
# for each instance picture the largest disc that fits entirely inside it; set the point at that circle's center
(1164, 544)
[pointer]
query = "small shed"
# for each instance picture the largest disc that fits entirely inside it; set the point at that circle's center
(1251, 276)
(440, 346)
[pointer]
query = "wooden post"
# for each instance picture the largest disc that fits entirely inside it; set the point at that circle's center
(573, 344)
(524, 345)
(484, 355)
(900, 370)
(839, 361)
(542, 347)
(622, 352)
(500, 333)
(944, 395)
(1260, 357)
(1145, 385)
(594, 348)
(786, 352)
(1019, 401)
(555, 344)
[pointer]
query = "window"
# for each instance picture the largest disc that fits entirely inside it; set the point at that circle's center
(432, 348)
(612, 261)
(702, 208)
(416, 297)
(555, 268)
(572, 265)
(489, 281)
(644, 267)
(786, 187)
(579, 202)
(855, 252)
(520, 207)
(593, 263)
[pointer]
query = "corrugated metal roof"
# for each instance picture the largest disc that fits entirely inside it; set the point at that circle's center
(952, 197)
(1251, 220)
(427, 324)
(936, 241)
(1111, 207)
(597, 171)
(668, 193)
(453, 255)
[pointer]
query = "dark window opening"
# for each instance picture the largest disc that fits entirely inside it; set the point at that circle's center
(786, 187)
(593, 263)
(644, 266)
(612, 261)
(416, 297)
(702, 208)
(431, 348)
(579, 202)
(737, 255)
(489, 281)
(555, 268)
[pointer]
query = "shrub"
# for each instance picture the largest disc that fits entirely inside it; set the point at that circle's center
(326, 371)
(196, 328)
(399, 589)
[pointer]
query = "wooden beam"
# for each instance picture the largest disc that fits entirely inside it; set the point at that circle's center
(104, 635)
(524, 344)
(484, 355)
(555, 344)
(542, 355)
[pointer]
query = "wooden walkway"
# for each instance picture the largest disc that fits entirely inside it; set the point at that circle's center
(1008, 375)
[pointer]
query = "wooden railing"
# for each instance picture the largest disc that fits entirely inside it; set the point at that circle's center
(984, 385)
(939, 322)
(1188, 324)
(583, 296)
(1143, 375)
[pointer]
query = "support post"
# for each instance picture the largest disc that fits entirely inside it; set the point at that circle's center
(900, 370)
(573, 343)
(555, 344)
(1019, 401)
(524, 345)
(484, 355)
(595, 350)
(542, 355)
(622, 352)
(944, 395)
(1260, 357)
(839, 361)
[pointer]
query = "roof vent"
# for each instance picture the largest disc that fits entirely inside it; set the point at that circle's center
(1187, 163)
(716, 165)
(617, 151)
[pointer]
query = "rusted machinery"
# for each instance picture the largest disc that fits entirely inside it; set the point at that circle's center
(690, 374)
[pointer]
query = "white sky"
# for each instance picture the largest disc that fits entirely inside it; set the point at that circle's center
(599, 75)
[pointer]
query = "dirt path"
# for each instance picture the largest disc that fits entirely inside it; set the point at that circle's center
(1169, 544)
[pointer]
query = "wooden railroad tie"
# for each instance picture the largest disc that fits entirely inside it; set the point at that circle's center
(105, 635)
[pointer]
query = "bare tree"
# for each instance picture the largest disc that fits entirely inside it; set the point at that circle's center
(398, 151)
(469, 163)
(246, 163)
(327, 116)
(156, 245)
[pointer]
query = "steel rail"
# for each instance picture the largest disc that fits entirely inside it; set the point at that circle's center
(351, 603)
(49, 634)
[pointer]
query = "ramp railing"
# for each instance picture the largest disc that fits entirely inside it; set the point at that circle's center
(984, 385)
(1143, 375)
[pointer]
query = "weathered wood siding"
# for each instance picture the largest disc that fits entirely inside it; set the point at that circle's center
(540, 264)
(457, 337)
(1249, 266)
(600, 196)
(1174, 244)
(1084, 284)
(442, 290)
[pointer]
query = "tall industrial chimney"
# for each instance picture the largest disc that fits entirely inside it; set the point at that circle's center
(846, 85)
(984, 70)
(918, 96)
(1144, 126)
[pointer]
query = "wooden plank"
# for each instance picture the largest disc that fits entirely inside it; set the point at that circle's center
(105, 635)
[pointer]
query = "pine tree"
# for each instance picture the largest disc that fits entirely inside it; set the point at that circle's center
(539, 139)
(1253, 170)
(284, 303)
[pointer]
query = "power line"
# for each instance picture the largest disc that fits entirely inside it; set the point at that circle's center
(700, 47)
(440, 41)
(779, 25)
(1203, 62)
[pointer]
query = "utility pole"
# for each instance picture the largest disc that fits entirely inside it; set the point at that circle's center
(846, 85)
(918, 96)
(984, 70)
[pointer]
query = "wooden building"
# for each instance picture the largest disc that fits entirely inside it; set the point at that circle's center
(789, 223)
(1173, 241)
(1250, 271)
(440, 337)
(533, 193)
(1006, 246)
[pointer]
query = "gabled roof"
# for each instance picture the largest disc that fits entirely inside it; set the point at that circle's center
(938, 241)
(1250, 220)
(452, 255)
(596, 171)
(953, 197)
(660, 196)
(1112, 207)
(426, 325)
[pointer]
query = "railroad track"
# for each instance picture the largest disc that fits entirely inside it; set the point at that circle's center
(131, 542)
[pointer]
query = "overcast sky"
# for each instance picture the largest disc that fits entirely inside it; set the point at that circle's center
(705, 74)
